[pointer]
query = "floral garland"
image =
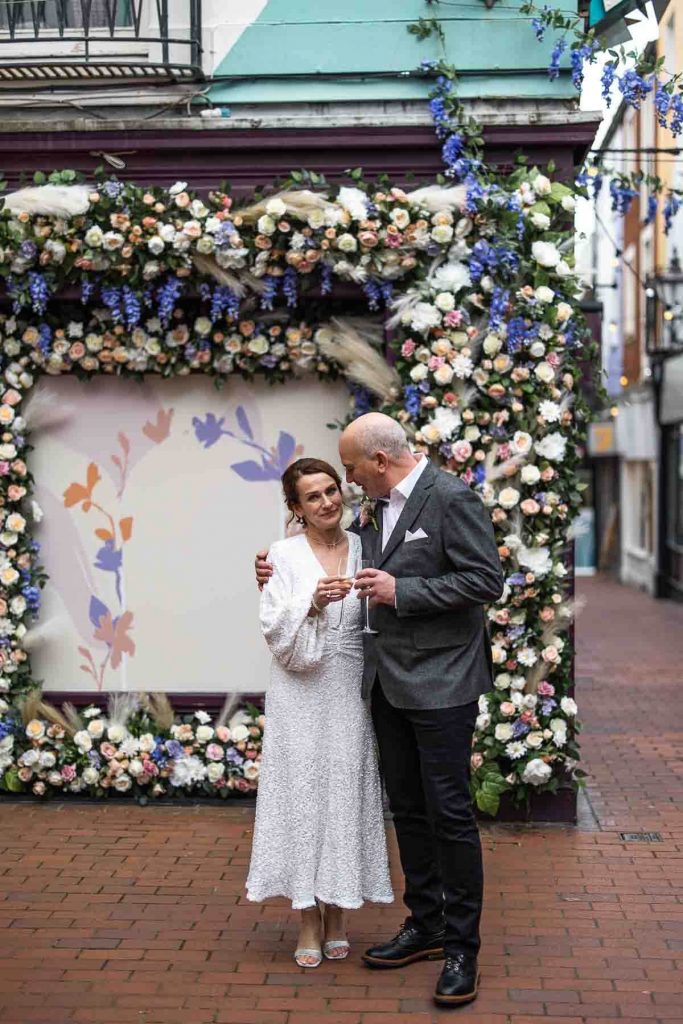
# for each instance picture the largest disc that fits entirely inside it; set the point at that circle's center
(136, 747)
(488, 343)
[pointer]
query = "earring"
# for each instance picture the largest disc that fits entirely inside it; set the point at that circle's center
(300, 520)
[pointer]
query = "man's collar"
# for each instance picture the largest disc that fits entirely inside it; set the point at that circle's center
(406, 485)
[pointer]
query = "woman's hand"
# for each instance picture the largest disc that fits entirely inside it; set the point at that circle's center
(330, 589)
(263, 568)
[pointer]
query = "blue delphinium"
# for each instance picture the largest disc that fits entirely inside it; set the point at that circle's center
(518, 332)
(621, 195)
(325, 280)
(111, 297)
(270, 289)
(557, 51)
(372, 293)
(634, 88)
(32, 597)
(87, 288)
(38, 290)
(452, 149)
(499, 300)
(167, 295)
(651, 210)
(662, 105)
(290, 286)
(671, 208)
(131, 306)
(45, 335)
(411, 400)
(609, 73)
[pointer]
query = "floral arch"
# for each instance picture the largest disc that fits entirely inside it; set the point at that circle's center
(481, 362)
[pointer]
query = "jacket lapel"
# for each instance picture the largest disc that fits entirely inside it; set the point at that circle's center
(411, 511)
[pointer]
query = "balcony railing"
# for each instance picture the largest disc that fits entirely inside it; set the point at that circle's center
(50, 42)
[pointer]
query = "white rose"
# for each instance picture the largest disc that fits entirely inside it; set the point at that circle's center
(542, 185)
(445, 302)
(498, 654)
(18, 605)
(442, 233)
(545, 254)
(83, 741)
(347, 242)
(536, 772)
(91, 775)
(563, 311)
(147, 743)
(275, 207)
(544, 294)
(94, 237)
(569, 706)
(215, 771)
(537, 349)
(472, 433)
(116, 733)
(156, 245)
(15, 523)
(265, 225)
(316, 219)
(167, 232)
(177, 188)
(508, 497)
(258, 345)
(562, 269)
(492, 344)
(7, 451)
(483, 704)
(136, 767)
(530, 474)
(568, 204)
(96, 728)
(204, 733)
(521, 442)
(482, 722)
(540, 221)
(552, 446)
(122, 783)
(534, 740)
(443, 374)
(502, 681)
(418, 372)
(239, 733)
(544, 372)
(503, 732)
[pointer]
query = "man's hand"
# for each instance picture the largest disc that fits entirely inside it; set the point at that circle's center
(263, 569)
(377, 585)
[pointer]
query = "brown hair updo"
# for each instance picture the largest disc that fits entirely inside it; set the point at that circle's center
(304, 467)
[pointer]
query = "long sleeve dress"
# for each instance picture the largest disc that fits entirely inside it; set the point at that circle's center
(319, 830)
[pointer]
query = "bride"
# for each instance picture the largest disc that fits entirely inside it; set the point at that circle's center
(319, 832)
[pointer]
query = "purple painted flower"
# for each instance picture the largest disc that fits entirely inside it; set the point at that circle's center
(208, 431)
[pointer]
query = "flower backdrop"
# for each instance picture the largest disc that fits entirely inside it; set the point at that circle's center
(481, 362)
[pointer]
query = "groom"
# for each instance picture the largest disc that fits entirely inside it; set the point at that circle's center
(436, 564)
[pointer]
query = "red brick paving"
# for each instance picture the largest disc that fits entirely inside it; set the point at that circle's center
(115, 913)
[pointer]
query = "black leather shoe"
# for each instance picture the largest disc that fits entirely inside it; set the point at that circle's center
(459, 981)
(407, 947)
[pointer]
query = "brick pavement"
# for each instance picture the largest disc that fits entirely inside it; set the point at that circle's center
(115, 913)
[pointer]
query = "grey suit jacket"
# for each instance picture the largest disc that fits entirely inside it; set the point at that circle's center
(432, 650)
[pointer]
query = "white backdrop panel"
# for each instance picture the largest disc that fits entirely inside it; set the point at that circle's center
(200, 481)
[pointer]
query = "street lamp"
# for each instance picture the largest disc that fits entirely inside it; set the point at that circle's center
(663, 341)
(664, 311)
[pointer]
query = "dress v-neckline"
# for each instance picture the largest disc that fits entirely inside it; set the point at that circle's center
(320, 564)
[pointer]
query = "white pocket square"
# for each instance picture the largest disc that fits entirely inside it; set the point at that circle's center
(418, 535)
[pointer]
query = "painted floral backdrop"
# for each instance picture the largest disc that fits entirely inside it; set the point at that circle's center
(486, 355)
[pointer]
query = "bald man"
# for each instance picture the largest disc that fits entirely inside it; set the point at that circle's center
(436, 565)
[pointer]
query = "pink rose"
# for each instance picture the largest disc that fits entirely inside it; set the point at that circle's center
(407, 348)
(507, 708)
(467, 476)
(4, 468)
(394, 241)
(215, 752)
(223, 733)
(68, 772)
(546, 689)
(553, 359)
(453, 319)
(529, 507)
(547, 614)
(242, 785)
(108, 751)
(461, 451)
(476, 760)
(435, 362)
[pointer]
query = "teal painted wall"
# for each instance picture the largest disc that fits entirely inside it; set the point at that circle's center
(326, 50)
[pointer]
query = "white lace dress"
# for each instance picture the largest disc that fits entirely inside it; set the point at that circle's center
(319, 830)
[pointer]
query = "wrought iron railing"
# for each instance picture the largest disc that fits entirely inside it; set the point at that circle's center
(49, 41)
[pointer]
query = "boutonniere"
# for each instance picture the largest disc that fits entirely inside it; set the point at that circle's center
(368, 511)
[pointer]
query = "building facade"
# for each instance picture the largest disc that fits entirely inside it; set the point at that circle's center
(636, 451)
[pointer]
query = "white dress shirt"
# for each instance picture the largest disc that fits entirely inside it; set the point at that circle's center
(398, 496)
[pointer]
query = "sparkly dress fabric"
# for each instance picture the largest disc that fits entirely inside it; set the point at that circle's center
(319, 830)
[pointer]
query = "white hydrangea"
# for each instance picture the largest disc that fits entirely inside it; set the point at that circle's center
(536, 772)
(451, 277)
(536, 560)
(552, 447)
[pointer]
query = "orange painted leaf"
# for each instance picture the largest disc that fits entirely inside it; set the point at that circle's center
(160, 430)
(126, 527)
(124, 442)
(93, 476)
(116, 636)
(74, 494)
(104, 534)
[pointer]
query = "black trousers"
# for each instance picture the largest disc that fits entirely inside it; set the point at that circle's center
(425, 757)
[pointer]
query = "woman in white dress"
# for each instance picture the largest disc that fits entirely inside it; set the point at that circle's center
(319, 834)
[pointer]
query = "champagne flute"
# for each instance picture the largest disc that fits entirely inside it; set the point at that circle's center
(343, 579)
(368, 563)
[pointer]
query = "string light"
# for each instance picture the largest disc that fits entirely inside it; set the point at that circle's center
(623, 380)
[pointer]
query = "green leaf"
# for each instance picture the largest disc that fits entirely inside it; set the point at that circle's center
(11, 781)
(487, 802)
(558, 191)
(39, 178)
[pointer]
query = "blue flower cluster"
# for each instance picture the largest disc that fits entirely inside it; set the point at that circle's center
(671, 208)
(132, 308)
(634, 88)
(499, 300)
(412, 402)
(622, 195)
(111, 297)
(167, 295)
(290, 286)
(270, 289)
(38, 290)
(557, 51)
(32, 597)
(609, 73)
(651, 210)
